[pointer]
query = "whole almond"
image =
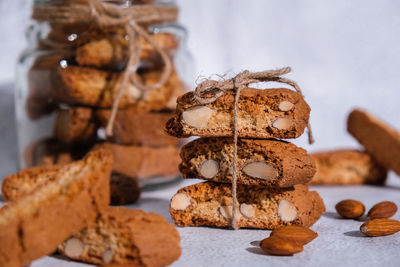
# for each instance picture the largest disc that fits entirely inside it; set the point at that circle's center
(299, 234)
(385, 209)
(380, 227)
(279, 246)
(350, 209)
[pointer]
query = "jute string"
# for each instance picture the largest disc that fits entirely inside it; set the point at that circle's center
(210, 90)
(104, 15)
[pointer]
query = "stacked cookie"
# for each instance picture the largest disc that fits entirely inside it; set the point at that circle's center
(271, 172)
(80, 82)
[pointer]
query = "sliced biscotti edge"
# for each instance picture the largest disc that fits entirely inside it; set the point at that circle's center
(265, 163)
(210, 204)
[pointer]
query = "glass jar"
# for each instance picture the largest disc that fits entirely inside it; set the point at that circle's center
(72, 71)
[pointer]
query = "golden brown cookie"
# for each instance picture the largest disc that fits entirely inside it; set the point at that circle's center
(135, 127)
(34, 225)
(111, 51)
(97, 88)
(210, 204)
(125, 236)
(143, 162)
(279, 113)
(378, 138)
(345, 167)
(266, 163)
(50, 151)
(75, 125)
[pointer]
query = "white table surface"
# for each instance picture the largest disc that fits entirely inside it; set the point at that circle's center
(339, 242)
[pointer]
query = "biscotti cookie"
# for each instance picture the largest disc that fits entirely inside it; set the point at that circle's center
(34, 225)
(270, 163)
(112, 51)
(280, 113)
(210, 204)
(143, 161)
(125, 236)
(344, 167)
(50, 151)
(123, 189)
(75, 125)
(378, 138)
(135, 127)
(97, 88)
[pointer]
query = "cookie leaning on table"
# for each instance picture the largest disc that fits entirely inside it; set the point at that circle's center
(272, 113)
(34, 225)
(346, 167)
(210, 204)
(378, 138)
(265, 163)
(125, 236)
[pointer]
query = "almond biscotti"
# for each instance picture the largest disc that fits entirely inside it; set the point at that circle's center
(279, 113)
(125, 236)
(378, 138)
(210, 204)
(345, 167)
(97, 88)
(266, 163)
(76, 124)
(135, 127)
(123, 189)
(34, 225)
(143, 162)
(112, 51)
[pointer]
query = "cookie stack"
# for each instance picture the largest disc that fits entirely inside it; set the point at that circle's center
(79, 83)
(271, 173)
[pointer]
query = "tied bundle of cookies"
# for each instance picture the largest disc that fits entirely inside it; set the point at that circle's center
(254, 180)
(108, 74)
(65, 210)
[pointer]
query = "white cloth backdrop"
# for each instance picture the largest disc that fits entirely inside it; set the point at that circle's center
(343, 53)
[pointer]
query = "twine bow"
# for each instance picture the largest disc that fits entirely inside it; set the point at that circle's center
(210, 90)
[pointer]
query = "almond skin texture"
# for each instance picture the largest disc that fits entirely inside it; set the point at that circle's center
(380, 227)
(299, 234)
(385, 209)
(350, 209)
(280, 247)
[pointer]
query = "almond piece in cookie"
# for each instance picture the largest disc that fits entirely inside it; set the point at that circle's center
(267, 163)
(208, 204)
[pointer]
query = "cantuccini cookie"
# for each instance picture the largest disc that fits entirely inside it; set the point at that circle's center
(378, 138)
(123, 189)
(75, 125)
(266, 163)
(210, 204)
(125, 236)
(279, 113)
(50, 151)
(111, 51)
(135, 127)
(34, 225)
(343, 167)
(97, 88)
(143, 162)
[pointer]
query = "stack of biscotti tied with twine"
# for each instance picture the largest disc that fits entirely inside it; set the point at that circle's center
(101, 58)
(65, 209)
(270, 173)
